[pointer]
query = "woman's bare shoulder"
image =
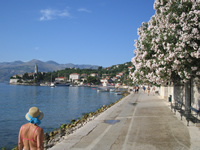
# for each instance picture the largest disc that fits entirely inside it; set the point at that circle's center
(39, 130)
(25, 125)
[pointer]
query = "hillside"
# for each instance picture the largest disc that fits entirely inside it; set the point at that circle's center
(8, 69)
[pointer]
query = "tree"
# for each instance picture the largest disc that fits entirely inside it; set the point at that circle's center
(39, 77)
(26, 76)
(100, 68)
(168, 45)
(93, 80)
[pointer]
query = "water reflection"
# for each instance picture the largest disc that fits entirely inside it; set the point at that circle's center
(59, 105)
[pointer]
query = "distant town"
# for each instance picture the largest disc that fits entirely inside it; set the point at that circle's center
(115, 76)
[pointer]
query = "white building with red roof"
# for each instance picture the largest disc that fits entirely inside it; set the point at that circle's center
(60, 79)
(74, 76)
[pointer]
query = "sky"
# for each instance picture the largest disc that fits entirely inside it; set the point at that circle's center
(94, 32)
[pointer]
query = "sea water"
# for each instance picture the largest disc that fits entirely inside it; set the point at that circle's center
(59, 104)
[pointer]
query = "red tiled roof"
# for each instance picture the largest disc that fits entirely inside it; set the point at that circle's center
(61, 77)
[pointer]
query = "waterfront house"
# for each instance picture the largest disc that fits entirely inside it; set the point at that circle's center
(31, 74)
(13, 81)
(94, 75)
(74, 76)
(106, 80)
(119, 75)
(130, 68)
(60, 79)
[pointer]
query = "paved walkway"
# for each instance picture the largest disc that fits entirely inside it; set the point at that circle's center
(138, 122)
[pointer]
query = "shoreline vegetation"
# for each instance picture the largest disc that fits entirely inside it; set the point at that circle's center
(64, 130)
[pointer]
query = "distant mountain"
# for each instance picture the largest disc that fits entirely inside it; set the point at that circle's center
(52, 62)
(11, 63)
(8, 69)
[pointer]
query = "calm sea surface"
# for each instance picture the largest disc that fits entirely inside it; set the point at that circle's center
(60, 105)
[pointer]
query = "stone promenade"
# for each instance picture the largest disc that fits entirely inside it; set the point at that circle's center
(137, 122)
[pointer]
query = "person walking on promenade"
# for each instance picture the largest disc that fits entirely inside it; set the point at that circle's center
(31, 136)
(137, 89)
(134, 89)
(144, 88)
(148, 90)
(153, 90)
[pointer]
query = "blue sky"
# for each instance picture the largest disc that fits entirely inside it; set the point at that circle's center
(95, 32)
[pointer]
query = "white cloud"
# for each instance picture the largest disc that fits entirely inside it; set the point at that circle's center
(84, 10)
(64, 14)
(50, 14)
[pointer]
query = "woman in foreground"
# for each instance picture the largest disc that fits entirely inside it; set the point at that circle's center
(31, 136)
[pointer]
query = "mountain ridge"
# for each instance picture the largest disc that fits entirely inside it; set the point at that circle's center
(8, 69)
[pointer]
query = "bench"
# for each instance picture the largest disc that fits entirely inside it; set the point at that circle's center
(178, 106)
(190, 116)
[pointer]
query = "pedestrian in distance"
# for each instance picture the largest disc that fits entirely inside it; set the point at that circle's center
(31, 136)
(144, 88)
(148, 90)
(134, 89)
(153, 90)
(137, 89)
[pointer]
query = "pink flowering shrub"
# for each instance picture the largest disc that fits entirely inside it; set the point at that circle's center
(168, 47)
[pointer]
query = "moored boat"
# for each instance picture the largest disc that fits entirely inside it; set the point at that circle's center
(52, 84)
(102, 89)
(112, 90)
(62, 84)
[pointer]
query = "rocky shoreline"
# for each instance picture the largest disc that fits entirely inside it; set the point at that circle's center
(65, 130)
(27, 84)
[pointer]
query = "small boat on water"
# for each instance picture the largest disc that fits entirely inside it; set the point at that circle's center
(52, 84)
(112, 90)
(118, 93)
(62, 84)
(102, 89)
(43, 84)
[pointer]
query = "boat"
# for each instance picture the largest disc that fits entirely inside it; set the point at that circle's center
(118, 93)
(102, 89)
(62, 84)
(112, 90)
(52, 84)
(43, 84)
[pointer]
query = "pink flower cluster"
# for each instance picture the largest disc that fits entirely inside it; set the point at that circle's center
(169, 43)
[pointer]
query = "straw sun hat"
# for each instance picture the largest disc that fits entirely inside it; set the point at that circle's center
(34, 112)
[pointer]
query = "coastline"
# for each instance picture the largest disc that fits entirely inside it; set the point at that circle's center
(65, 130)
(12, 94)
(26, 84)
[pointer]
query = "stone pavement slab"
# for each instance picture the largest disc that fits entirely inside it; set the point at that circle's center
(137, 122)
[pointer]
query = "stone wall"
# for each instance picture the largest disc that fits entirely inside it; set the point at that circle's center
(13, 80)
(164, 92)
(182, 93)
(179, 93)
(195, 93)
